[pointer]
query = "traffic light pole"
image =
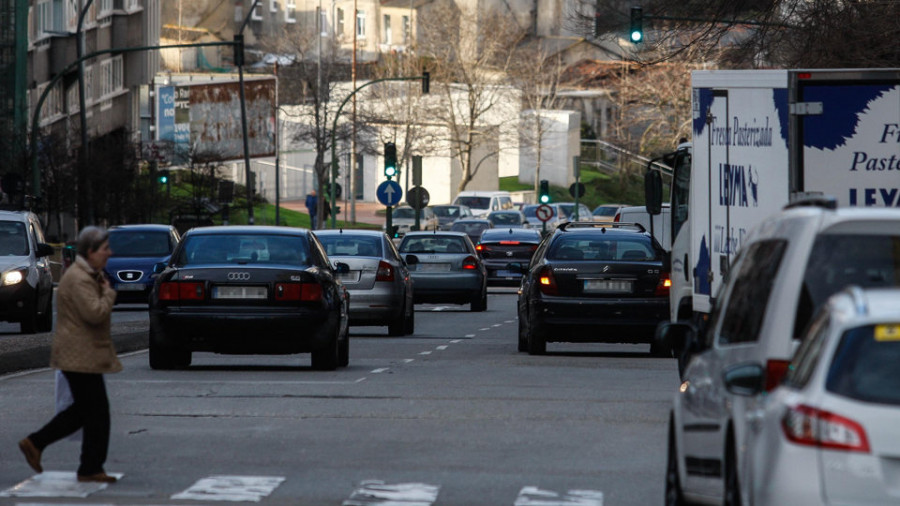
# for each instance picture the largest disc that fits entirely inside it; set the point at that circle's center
(425, 78)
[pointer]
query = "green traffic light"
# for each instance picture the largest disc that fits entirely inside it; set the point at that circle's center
(636, 36)
(545, 199)
(163, 179)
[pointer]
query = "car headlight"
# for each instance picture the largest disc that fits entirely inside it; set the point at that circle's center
(13, 277)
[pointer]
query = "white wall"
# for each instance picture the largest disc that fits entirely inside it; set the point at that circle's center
(559, 144)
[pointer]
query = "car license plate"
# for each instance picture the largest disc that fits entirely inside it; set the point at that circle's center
(607, 286)
(506, 274)
(349, 277)
(129, 287)
(433, 268)
(239, 292)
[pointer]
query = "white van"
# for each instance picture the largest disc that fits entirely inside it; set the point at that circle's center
(639, 214)
(483, 202)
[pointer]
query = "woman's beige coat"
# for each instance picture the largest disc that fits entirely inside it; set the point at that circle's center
(82, 341)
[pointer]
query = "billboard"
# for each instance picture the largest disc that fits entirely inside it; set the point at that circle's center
(203, 121)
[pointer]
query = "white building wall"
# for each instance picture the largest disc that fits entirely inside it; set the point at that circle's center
(560, 143)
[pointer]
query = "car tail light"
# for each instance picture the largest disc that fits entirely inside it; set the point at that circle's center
(665, 282)
(618, 217)
(306, 292)
(775, 371)
(181, 290)
(512, 243)
(479, 247)
(547, 282)
(470, 263)
(385, 272)
(809, 426)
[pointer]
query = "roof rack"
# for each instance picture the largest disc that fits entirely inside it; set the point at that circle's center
(601, 224)
(821, 201)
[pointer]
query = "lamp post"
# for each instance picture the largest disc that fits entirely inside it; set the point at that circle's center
(83, 181)
(239, 39)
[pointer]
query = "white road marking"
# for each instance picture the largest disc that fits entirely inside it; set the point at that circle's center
(460, 340)
(470, 335)
(510, 321)
(486, 328)
(442, 347)
(441, 308)
(425, 353)
(380, 370)
(408, 360)
(496, 325)
(533, 496)
(379, 493)
(231, 488)
(55, 484)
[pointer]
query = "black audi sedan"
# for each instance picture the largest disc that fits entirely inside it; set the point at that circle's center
(249, 290)
(593, 282)
(500, 246)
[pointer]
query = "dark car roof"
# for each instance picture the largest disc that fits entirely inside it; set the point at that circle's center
(593, 232)
(355, 231)
(511, 234)
(247, 229)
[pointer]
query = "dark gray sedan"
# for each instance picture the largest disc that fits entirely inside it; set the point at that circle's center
(381, 290)
(445, 268)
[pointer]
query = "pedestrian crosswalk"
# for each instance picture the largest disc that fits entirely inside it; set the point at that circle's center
(237, 488)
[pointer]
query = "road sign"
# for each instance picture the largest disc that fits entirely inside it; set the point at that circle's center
(576, 190)
(389, 193)
(544, 212)
(417, 197)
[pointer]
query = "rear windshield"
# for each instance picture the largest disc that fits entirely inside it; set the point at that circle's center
(344, 245)
(506, 218)
(605, 211)
(249, 249)
(469, 228)
(837, 261)
(474, 202)
(133, 243)
(635, 248)
(434, 244)
(13, 241)
(864, 366)
(446, 212)
(405, 213)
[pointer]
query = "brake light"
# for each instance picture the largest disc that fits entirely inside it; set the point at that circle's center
(618, 217)
(470, 263)
(385, 272)
(514, 243)
(479, 247)
(665, 282)
(306, 292)
(181, 290)
(547, 282)
(775, 371)
(809, 426)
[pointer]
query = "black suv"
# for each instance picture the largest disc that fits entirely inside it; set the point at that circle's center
(593, 282)
(26, 284)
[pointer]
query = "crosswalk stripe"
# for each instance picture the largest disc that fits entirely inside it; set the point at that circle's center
(379, 493)
(55, 484)
(231, 488)
(533, 496)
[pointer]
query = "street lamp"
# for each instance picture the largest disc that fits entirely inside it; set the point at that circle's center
(239, 61)
(83, 181)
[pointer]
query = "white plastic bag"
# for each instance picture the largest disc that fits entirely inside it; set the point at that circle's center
(64, 400)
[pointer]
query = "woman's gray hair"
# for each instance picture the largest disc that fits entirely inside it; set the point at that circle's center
(90, 239)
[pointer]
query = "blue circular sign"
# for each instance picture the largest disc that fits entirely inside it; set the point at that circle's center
(389, 193)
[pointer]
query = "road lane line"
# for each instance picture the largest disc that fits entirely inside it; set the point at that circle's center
(424, 353)
(376, 492)
(442, 347)
(530, 496)
(380, 370)
(459, 340)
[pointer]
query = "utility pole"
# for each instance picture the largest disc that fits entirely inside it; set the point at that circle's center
(83, 180)
(239, 38)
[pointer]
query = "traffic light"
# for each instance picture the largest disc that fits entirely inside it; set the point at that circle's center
(636, 34)
(390, 160)
(163, 177)
(544, 195)
(426, 82)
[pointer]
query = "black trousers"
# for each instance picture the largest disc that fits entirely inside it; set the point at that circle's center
(89, 412)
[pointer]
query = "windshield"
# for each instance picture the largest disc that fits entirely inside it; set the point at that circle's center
(636, 248)
(474, 202)
(506, 218)
(864, 366)
(243, 249)
(345, 245)
(605, 211)
(133, 243)
(446, 212)
(469, 227)
(13, 241)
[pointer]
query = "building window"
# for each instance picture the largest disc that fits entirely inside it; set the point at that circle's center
(106, 9)
(238, 12)
(51, 18)
(405, 22)
(88, 84)
(52, 107)
(72, 104)
(386, 32)
(290, 8)
(273, 5)
(111, 77)
(256, 13)
(360, 24)
(323, 23)
(340, 22)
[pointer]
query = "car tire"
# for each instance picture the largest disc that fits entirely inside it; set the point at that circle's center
(479, 304)
(45, 321)
(344, 350)
(163, 357)
(409, 326)
(537, 342)
(326, 359)
(673, 496)
(29, 323)
(398, 327)
(732, 483)
(523, 334)
(660, 350)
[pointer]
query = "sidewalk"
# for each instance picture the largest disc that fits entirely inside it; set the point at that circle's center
(365, 211)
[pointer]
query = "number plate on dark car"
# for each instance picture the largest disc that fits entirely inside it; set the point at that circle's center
(607, 286)
(239, 292)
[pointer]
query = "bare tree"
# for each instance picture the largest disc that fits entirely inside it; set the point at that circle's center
(471, 52)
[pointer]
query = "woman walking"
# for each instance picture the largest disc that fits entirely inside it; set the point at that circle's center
(83, 350)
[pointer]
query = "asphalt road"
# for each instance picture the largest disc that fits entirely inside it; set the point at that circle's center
(452, 415)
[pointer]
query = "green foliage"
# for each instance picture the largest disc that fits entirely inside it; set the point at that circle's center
(600, 188)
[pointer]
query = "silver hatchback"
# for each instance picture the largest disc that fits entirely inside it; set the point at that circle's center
(446, 268)
(380, 287)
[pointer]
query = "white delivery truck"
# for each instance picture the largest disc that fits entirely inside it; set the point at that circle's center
(763, 138)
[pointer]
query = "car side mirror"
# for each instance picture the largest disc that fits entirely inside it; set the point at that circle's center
(159, 267)
(341, 268)
(44, 250)
(745, 379)
(412, 259)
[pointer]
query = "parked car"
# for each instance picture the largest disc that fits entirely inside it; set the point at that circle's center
(593, 282)
(530, 212)
(26, 287)
(786, 269)
(249, 290)
(483, 202)
(500, 246)
(135, 250)
(448, 213)
(584, 212)
(380, 287)
(445, 268)
(508, 219)
(404, 219)
(828, 434)
(606, 212)
(472, 227)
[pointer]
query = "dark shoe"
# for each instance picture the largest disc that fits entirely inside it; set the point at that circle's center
(32, 454)
(99, 477)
